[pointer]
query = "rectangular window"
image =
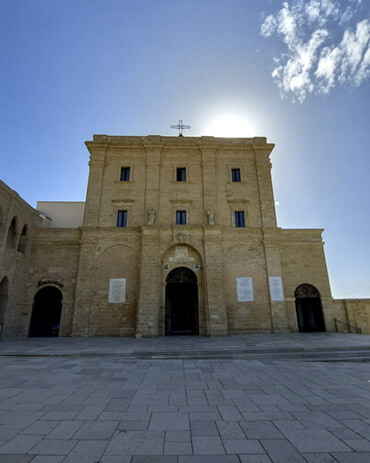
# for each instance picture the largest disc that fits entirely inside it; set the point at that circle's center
(125, 174)
(239, 219)
(235, 175)
(181, 174)
(180, 217)
(122, 219)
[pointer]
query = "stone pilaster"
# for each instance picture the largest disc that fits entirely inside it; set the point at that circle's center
(148, 300)
(152, 184)
(266, 195)
(214, 286)
(97, 150)
(84, 284)
(279, 316)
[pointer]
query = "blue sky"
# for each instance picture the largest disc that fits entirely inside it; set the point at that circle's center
(297, 73)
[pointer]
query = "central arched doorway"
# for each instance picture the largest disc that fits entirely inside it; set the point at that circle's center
(46, 312)
(181, 302)
(309, 310)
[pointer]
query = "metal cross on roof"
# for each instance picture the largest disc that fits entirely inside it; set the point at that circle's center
(180, 127)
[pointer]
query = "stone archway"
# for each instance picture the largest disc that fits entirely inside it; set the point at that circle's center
(46, 312)
(309, 309)
(181, 312)
(4, 287)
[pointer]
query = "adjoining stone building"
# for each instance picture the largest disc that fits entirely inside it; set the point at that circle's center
(178, 235)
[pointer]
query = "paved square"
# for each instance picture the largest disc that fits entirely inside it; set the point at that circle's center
(115, 409)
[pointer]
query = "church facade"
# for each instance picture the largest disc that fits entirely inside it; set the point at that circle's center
(177, 236)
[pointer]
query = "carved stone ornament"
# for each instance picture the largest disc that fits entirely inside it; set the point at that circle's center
(151, 217)
(211, 217)
(181, 237)
(306, 290)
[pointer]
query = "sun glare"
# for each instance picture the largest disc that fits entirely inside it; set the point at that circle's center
(230, 125)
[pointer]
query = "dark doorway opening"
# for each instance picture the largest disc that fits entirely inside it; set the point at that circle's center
(46, 312)
(181, 302)
(309, 310)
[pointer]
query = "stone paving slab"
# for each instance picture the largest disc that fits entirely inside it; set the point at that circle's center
(108, 409)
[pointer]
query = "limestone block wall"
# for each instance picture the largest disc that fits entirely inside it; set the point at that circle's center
(17, 223)
(52, 262)
(303, 261)
(352, 314)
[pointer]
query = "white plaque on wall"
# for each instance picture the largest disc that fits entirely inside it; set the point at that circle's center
(244, 289)
(276, 289)
(117, 290)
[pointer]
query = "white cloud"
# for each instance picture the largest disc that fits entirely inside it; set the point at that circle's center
(312, 61)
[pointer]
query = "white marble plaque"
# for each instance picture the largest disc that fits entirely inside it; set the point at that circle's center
(117, 290)
(244, 289)
(276, 289)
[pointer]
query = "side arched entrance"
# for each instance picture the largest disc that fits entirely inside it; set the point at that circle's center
(46, 312)
(181, 316)
(309, 309)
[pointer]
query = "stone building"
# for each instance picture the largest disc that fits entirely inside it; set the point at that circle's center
(178, 235)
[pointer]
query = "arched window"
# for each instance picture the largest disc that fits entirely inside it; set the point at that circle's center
(12, 233)
(22, 243)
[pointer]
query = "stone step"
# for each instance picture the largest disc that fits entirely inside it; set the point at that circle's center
(349, 353)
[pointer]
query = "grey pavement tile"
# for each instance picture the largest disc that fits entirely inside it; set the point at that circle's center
(163, 409)
(203, 428)
(288, 424)
(260, 430)
(153, 459)
(207, 445)
(344, 415)
(53, 447)
(136, 443)
(194, 416)
(316, 420)
(229, 413)
(65, 430)
(48, 459)
(345, 433)
(244, 446)
(124, 416)
(6, 434)
(266, 416)
(207, 459)
(169, 421)
(352, 457)
(319, 458)
(90, 412)
(19, 419)
(62, 408)
(358, 445)
(230, 430)
(360, 426)
(281, 451)
(177, 436)
(20, 444)
(90, 450)
(40, 427)
(132, 425)
(115, 459)
(11, 458)
(96, 430)
(177, 448)
(59, 416)
(316, 440)
(117, 405)
(254, 458)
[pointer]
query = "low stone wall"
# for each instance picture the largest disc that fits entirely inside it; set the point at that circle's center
(352, 312)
